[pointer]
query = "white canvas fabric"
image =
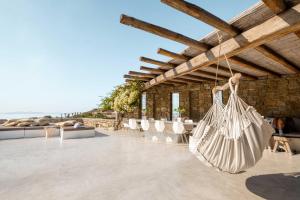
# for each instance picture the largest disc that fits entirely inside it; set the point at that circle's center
(208, 123)
(234, 140)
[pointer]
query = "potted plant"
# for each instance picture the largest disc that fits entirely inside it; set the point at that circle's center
(144, 113)
(180, 111)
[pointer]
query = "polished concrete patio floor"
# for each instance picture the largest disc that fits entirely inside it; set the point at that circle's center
(126, 167)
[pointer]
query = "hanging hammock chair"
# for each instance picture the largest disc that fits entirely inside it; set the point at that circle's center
(237, 139)
(230, 138)
(210, 120)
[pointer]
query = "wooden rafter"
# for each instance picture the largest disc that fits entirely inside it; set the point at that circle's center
(201, 14)
(251, 38)
(251, 66)
(189, 80)
(207, 75)
(205, 16)
(163, 65)
(222, 69)
(297, 34)
(170, 84)
(152, 70)
(132, 79)
(136, 78)
(269, 53)
(173, 55)
(277, 6)
(140, 74)
(163, 32)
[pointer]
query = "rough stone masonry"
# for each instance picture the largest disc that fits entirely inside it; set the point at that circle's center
(272, 97)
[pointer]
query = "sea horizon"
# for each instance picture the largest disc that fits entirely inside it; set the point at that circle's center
(23, 115)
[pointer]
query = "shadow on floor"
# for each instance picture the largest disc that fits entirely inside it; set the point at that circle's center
(275, 186)
(99, 134)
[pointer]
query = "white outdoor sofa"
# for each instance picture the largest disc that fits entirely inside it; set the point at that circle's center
(23, 132)
(12, 133)
(73, 133)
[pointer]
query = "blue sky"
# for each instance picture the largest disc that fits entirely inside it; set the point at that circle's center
(60, 56)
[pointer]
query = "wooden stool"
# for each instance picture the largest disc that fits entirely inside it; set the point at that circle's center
(284, 142)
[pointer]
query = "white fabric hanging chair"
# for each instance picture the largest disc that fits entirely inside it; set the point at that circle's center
(209, 120)
(232, 140)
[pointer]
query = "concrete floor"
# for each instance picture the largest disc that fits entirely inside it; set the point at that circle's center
(125, 167)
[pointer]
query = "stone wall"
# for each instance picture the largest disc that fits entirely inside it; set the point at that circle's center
(98, 122)
(272, 97)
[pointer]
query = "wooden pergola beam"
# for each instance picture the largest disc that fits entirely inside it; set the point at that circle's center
(152, 70)
(269, 53)
(207, 75)
(163, 65)
(251, 66)
(275, 27)
(131, 79)
(222, 69)
(172, 54)
(170, 84)
(277, 6)
(247, 65)
(205, 16)
(147, 75)
(136, 78)
(188, 80)
(202, 15)
(195, 77)
(163, 32)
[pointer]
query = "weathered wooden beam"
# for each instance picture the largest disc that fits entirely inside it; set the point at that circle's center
(172, 54)
(195, 77)
(222, 69)
(201, 14)
(188, 80)
(152, 70)
(130, 79)
(277, 6)
(163, 65)
(178, 81)
(140, 74)
(251, 66)
(273, 28)
(205, 16)
(207, 75)
(136, 77)
(170, 84)
(297, 34)
(269, 53)
(163, 32)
